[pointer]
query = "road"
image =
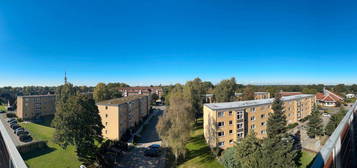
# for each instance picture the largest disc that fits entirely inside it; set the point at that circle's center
(135, 157)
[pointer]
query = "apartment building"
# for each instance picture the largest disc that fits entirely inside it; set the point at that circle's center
(257, 95)
(119, 115)
(141, 90)
(35, 106)
(226, 123)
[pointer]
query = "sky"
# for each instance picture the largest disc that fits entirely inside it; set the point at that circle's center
(172, 41)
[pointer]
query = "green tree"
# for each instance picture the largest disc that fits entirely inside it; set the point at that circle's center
(334, 121)
(229, 158)
(249, 151)
(248, 93)
(276, 124)
(309, 91)
(175, 125)
(315, 127)
(79, 124)
(193, 92)
(225, 90)
(101, 92)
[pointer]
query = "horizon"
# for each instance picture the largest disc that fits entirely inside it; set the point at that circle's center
(152, 43)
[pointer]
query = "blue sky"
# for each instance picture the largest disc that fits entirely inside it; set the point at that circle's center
(165, 42)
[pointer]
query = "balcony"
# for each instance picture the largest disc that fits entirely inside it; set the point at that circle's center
(340, 149)
(10, 157)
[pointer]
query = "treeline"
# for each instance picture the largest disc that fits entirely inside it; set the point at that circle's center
(108, 91)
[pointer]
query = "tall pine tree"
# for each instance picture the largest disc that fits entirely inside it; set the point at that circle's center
(315, 127)
(276, 124)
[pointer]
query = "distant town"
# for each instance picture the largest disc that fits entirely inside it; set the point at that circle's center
(196, 124)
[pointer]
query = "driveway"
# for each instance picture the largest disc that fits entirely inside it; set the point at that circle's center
(14, 137)
(135, 158)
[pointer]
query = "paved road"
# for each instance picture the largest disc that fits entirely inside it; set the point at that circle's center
(135, 157)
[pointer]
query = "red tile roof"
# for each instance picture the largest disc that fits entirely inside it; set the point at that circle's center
(328, 96)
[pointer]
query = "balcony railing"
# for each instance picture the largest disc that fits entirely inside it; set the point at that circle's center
(339, 150)
(10, 156)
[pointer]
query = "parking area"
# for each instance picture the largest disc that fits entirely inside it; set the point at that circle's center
(135, 158)
(13, 136)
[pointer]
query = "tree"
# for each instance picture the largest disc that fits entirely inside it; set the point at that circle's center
(309, 91)
(225, 90)
(248, 93)
(175, 125)
(77, 122)
(315, 127)
(334, 121)
(193, 92)
(101, 92)
(249, 151)
(276, 124)
(229, 158)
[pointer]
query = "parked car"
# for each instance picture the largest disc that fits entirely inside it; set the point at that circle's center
(326, 115)
(153, 150)
(19, 129)
(15, 126)
(13, 122)
(2, 111)
(19, 133)
(25, 138)
(11, 119)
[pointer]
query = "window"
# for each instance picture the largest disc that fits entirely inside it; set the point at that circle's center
(240, 135)
(253, 109)
(240, 125)
(252, 118)
(220, 134)
(231, 141)
(220, 144)
(220, 114)
(239, 115)
(106, 115)
(230, 122)
(220, 124)
(263, 123)
(106, 107)
(262, 116)
(106, 123)
(263, 132)
(230, 113)
(106, 131)
(230, 131)
(252, 126)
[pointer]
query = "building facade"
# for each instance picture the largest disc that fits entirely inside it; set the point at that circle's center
(35, 106)
(328, 98)
(119, 115)
(257, 95)
(141, 90)
(226, 123)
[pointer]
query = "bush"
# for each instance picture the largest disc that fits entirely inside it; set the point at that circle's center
(11, 115)
(228, 158)
(305, 118)
(20, 120)
(291, 126)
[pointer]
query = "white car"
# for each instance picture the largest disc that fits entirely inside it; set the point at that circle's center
(326, 115)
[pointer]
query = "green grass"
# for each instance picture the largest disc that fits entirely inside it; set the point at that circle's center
(54, 156)
(2, 107)
(199, 154)
(306, 158)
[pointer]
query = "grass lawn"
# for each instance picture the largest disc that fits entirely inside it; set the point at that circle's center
(199, 154)
(55, 156)
(306, 158)
(2, 107)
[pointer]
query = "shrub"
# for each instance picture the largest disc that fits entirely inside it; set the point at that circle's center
(291, 126)
(228, 158)
(11, 115)
(20, 120)
(305, 118)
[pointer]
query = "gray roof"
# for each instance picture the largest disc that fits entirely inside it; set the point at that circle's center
(250, 103)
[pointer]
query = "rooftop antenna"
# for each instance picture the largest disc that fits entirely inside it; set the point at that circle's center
(65, 77)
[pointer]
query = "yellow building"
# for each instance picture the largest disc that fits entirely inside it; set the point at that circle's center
(226, 123)
(34, 106)
(119, 115)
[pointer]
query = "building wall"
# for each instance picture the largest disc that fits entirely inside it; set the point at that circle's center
(261, 95)
(110, 120)
(118, 118)
(255, 119)
(31, 107)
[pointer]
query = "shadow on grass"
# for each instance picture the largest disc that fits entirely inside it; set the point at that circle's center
(44, 121)
(37, 153)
